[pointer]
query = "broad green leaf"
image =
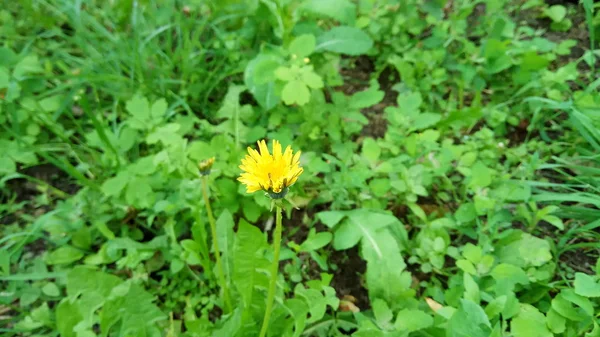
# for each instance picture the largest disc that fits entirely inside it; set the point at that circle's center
(366, 98)
(27, 66)
(67, 317)
(586, 285)
(64, 255)
(386, 278)
(4, 77)
(469, 321)
(133, 307)
(565, 308)
(371, 150)
(315, 240)
(302, 45)
(51, 289)
(159, 108)
(248, 265)
(555, 322)
(341, 10)
(535, 251)
(225, 236)
(556, 12)
(317, 300)
(295, 92)
(259, 77)
(139, 108)
(311, 79)
(331, 218)
(466, 266)
(481, 176)
(344, 40)
(471, 288)
(7, 165)
(382, 312)
(346, 236)
(413, 320)
(509, 274)
(530, 322)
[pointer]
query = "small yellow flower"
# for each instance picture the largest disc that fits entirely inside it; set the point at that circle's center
(272, 173)
(205, 166)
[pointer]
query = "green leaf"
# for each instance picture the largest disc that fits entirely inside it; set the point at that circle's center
(535, 251)
(471, 288)
(466, 266)
(366, 98)
(382, 312)
(295, 92)
(556, 12)
(469, 321)
(530, 322)
(331, 218)
(139, 108)
(386, 276)
(344, 40)
(7, 165)
(259, 77)
(303, 45)
(511, 272)
(481, 175)
(248, 265)
(315, 240)
(346, 236)
(64, 255)
(4, 77)
(159, 108)
(311, 79)
(51, 289)
(586, 285)
(371, 150)
(555, 322)
(67, 316)
(413, 320)
(225, 236)
(131, 305)
(564, 308)
(27, 66)
(341, 10)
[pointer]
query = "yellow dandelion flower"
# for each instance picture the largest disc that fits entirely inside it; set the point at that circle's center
(273, 173)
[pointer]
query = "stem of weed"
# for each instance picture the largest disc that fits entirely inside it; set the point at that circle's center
(274, 270)
(213, 229)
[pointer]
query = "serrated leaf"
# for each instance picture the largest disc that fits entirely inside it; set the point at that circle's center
(311, 79)
(139, 108)
(248, 263)
(344, 40)
(295, 92)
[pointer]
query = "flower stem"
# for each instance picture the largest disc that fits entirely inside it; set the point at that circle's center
(274, 269)
(213, 229)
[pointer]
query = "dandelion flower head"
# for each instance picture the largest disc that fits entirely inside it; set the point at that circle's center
(273, 173)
